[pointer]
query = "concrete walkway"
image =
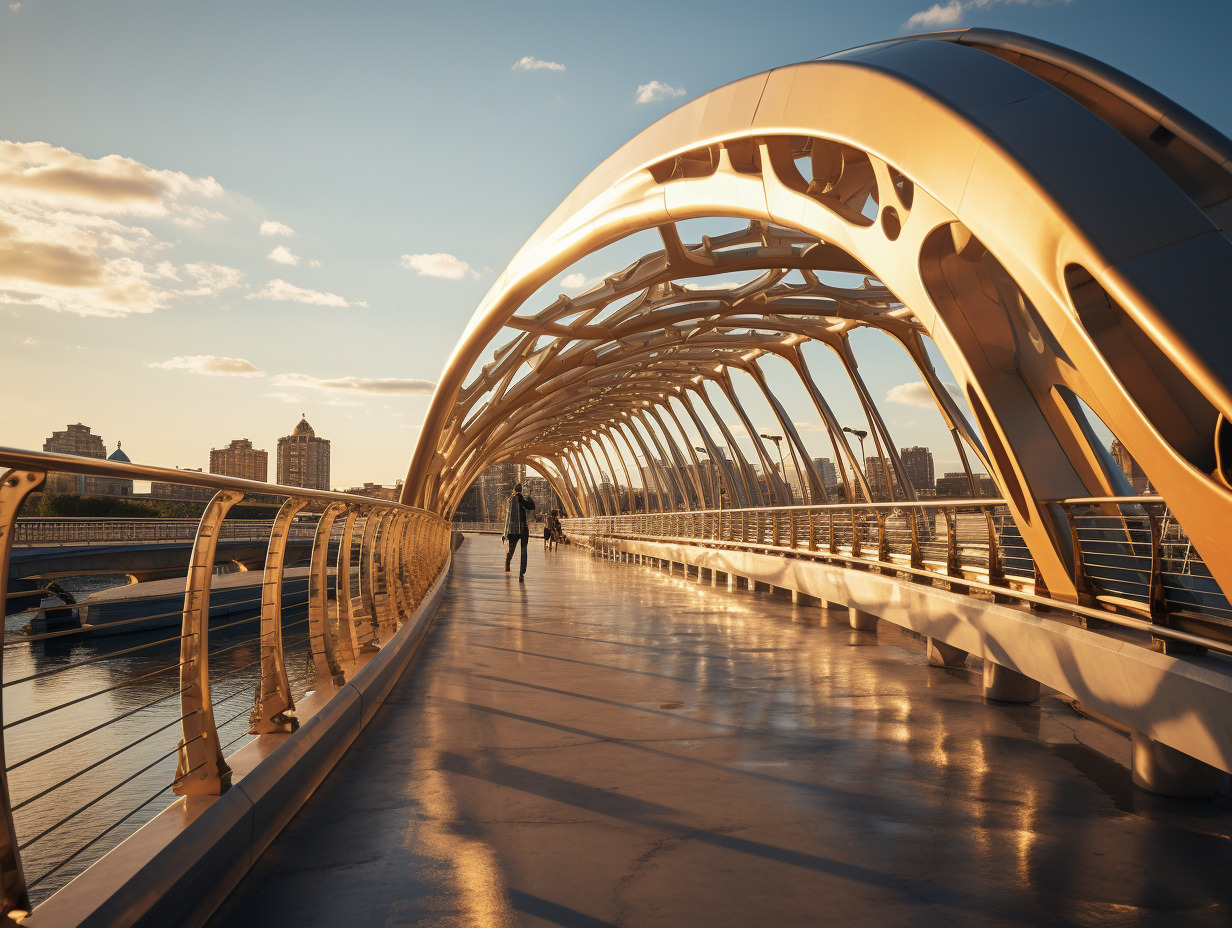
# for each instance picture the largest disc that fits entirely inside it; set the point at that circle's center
(605, 745)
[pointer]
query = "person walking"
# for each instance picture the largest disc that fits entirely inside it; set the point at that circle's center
(517, 527)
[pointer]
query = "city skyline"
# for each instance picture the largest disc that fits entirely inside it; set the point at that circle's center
(200, 222)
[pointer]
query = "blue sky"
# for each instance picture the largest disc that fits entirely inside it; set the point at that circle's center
(359, 136)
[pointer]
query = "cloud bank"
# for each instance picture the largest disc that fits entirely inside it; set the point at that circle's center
(535, 64)
(76, 236)
(283, 255)
(383, 386)
(941, 16)
(445, 266)
(210, 364)
(273, 227)
(656, 91)
(278, 289)
(918, 394)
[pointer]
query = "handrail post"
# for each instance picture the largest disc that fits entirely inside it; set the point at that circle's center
(917, 555)
(320, 637)
(363, 607)
(274, 700)
(855, 535)
(15, 486)
(953, 565)
(833, 534)
(996, 569)
(349, 646)
(200, 768)
(883, 541)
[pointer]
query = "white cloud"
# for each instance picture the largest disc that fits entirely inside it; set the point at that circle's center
(809, 426)
(314, 263)
(918, 394)
(535, 64)
(74, 235)
(210, 364)
(575, 282)
(388, 386)
(940, 16)
(30, 341)
(273, 227)
(283, 255)
(14, 6)
(284, 397)
(936, 16)
(279, 289)
(656, 91)
(439, 264)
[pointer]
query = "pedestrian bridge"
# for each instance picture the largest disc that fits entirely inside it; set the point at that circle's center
(744, 672)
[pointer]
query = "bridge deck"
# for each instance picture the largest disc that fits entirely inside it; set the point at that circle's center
(607, 746)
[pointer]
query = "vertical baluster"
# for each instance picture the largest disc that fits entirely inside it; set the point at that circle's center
(320, 636)
(348, 645)
(200, 769)
(363, 607)
(15, 486)
(275, 704)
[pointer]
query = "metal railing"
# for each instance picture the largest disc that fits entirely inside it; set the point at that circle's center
(117, 702)
(972, 539)
(482, 528)
(67, 530)
(1134, 565)
(1131, 552)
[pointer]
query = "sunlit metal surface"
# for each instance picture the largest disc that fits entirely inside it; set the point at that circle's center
(1056, 228)
(113, 702)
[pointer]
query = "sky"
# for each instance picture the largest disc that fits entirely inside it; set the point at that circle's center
(217, 217)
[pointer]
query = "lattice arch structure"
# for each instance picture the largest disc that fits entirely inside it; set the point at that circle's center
(1059, 230)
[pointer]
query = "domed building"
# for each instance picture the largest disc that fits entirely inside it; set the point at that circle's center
(115, 486)
(303, 459)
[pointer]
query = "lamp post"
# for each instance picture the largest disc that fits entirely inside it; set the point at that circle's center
(860, 434)
(777, 439)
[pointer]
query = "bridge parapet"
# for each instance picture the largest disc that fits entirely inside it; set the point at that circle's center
(168, 689)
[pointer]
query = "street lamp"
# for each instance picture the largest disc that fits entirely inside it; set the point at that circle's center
(777, 439)
(860, 434)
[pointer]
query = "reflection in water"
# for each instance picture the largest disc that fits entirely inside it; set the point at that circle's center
(96, 722)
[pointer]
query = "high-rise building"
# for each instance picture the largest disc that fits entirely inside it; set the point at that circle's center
(875, 473)
(826, 471)
(956, 485)
(78, 440)
(303, 459)
(918, 463)
(1133, 473)
(240, 459)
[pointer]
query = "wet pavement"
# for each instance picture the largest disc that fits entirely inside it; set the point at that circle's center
(605, 745)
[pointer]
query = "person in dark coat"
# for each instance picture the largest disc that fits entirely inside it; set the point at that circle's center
(517, 526)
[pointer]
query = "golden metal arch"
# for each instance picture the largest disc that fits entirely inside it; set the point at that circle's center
(1057, 229)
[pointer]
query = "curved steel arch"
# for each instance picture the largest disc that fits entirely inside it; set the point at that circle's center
(1058, 229)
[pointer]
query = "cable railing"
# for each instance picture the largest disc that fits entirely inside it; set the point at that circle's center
(64, 530)
(956, 539)
(126, 698)
(1134, 566)
(1132, 552)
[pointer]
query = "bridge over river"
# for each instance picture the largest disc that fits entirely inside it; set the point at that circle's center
(755, 689)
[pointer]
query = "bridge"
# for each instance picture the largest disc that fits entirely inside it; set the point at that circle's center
(742, 675)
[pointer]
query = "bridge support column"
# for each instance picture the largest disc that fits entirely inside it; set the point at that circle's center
(1004, 685)
(941, 654)
(804, 599)
(861, 620)
(1166, 771)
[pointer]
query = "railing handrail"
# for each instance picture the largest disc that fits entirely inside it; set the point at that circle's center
(973, 502)
(95, 467)
(1096, 500)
